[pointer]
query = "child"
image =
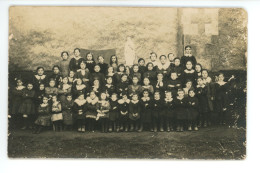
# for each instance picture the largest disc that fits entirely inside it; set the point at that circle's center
(147, 85)
(134, 113)
(51, 90)
(123, 85)
(176, 68)
(163, 65)
(173, 84)
(113, 62)
(156, 108)
(64, 89)
(71, 78)
(202, 93)
(39, 95)
(150, 73)
(198, 68)
(79, 109)
(135, 72)
(97, 87)
(160, 84)
(109, 87)
(83, 73)
(120, 70)
(64, 64)
(110, 72)
(56, 116)
(75, 61)
(39, 78)
(98, 75)
(103, 107)
(187, 88)
(103, 66)
(205, 77)
(113, 114)
(180, 106)
(168, 117)
(153, 59)
(90, 63)
(171, 60)
(142, 67)
(79, 88)
(146, 117)
(189, 73)
(44, 116)
(193, 110)
(123, 105)
(91, 111)
(188, 57)
(27, 108)
(56, 75)
(67, 106)
(135, 87)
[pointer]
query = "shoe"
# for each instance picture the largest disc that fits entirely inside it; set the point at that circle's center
(117, 129)
(110, 129)
(151, 129)
(79, 129)
(126, 129)
(181, 129)
(24, 128)
(131, 128)
(178, 128)
(121, 128)
(189, 128)
(168, 129)
(155, 129)
(205, 124)
(82, 129)
(161, 129)
(196, 128)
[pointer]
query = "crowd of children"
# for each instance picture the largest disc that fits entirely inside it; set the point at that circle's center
(165, 94)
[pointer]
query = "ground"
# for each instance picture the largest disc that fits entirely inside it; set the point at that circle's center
(208, 143)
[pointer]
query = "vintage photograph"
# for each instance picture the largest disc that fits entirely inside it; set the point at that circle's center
(127, 82)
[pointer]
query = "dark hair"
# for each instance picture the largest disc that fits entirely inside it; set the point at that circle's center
(111, 60)
(187, 47)
(148, 65)
(89, 53)
(163, 56)
(121, 65)
(199, 78)
(63, 53)
(191, 89)
(159, 73)
(153, 53)
(68, 94)
(157, 91)
(135, 65)
(170, 54)
(135, 77)
(55, 66)
(76, 49)
(40, 67)
(176, 58)
(221, 74)
(200, 66)
(123, 75)
(109, 77)
(205, 70)
(141, 59)
(100, 56)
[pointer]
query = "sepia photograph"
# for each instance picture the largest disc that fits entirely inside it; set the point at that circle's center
(127, 82)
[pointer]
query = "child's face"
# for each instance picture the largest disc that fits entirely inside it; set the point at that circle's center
(54, 98)
(100, 59)
(171, 57)
(97, 68)
(29, 86)
(76, 53)
(92, 95)
(19, 83)
(64, 56)
(189, 65)
(188, 50)
(141, 63)
(103, 96)
(45, 100)
(135, 80)
(124, 78)
(160, 76)
(146, 81)
(180, 93)
(135, 69)
(174, 76)
(153, 57)
(89, 57)
(81, 97)
(221, 77)
(200, 82)
(114, 97)
(56, 70)
(113, 59)
(146, 94)
(135, 97)
(157, 95)
(188, 84)
(65, 80)
(79, 81)
(71, 74)
(191, 93)
(121, 68)
(96, 82)
(109, 80)
(124, 97)
(110, 69)
(163, 59)
(40, 71)
(168, 95)
(197, 68)
(41, 87)
(150, 67)
(82, 65)
(204, 74)
(52, 83)
(69, 98)
(177, 62)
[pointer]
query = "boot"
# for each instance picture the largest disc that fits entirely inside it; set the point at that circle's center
(126, 128)
(189, 128)
(181, 129)
(196, 128)
(155, 128)
(83, 128)
(141, 127)
(121, 127)
(168, 127)
(110, 128)
(178, 128)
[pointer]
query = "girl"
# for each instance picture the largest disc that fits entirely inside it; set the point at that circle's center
(27, 108)
(64, 64)
(56, 112)
(90, 63)
(180, 106)
(187, 88)
(79, 88)
(113, 114)
(123, 85)
(176, 68)
(150, 73)
(91, 111)
(188, 57)
(163, 65)
(147, 85)
(168, 118)
(39, 78)
(71, 78)
(113, 62)
(64, 89)
(98, 75)
(202, 93)
(39, 95)
(83, 73)
(44, 116)
(146, 116)
(193, 110)
(56, 75)
(156, 108)
(110, 72)
(134, 113)
(103, 107)
(79, 109)
(134, 88)
(173, 84)
(67, 106)
(189, 73)
(51, 90)
(153, 59)
(97, 88)
(198, 68)
(123, 105)
(135, 72)
(102, 64)
(160, 84)
(171, 59)
(75, 61)
(121, 70)
(109, 88)
(142, 67)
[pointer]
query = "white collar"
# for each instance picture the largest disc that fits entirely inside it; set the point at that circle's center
(188, 55)
(198, 86)
(189, 71)
(20, 87)
(146, 99)
(92, 101)
(221, 83)
(43, 105)
(134, 102)
(180, 98)
(40, 77)
(80, 102)
(121, 101)
(163, 66)
(168, 100)
(80, 87)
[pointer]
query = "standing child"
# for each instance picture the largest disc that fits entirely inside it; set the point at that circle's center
(79, 88)
(51, 90)
(123, 112)
(113, 62)
(110, 72)
(67, 106)
(150, 73)
(146, 117)
(103, 107)
(56, 75)
(79, 112)
(187, 88)
(91, 111)
(109, 87)
(98, 75)
(122, 87)
(97, 87)
(168, 117)
(71, 78)
(198, 69)
(135, 72)
(142, 67)
(90, 63)
(75, 61)
(188, 57)
(113, 114)
(163, 65)
(157, 116)
(135, 87)
(64, 64)
(83, 73)
(193, 110)
(64, 89)
(153, 59)
(39, 78)
(56, 116)
(103, 65)
(171, 60)
(44, 116)
(27, 108)
(121, 70)
(39, 95)
(173, 84)
(134, 113)
(147, 85)
(176, 68)
(160, 84)
(189, 73)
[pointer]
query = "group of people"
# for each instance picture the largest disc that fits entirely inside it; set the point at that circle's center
(165, 94)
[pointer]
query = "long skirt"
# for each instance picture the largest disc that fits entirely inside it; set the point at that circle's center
(43, 120)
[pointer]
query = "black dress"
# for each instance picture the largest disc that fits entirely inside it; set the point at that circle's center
(180, 108)
(123, 106)
(189, 75)
(90, 66)
(151, 75)
(185, 59)
(146, 116)
(113, 113)
(134, 110)
(221, 97)
(193, 108)
(168, 108)
(202, 92)
(156, 107)
(173, 86)
(38, 80)
(103, 68)
(74, 64)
